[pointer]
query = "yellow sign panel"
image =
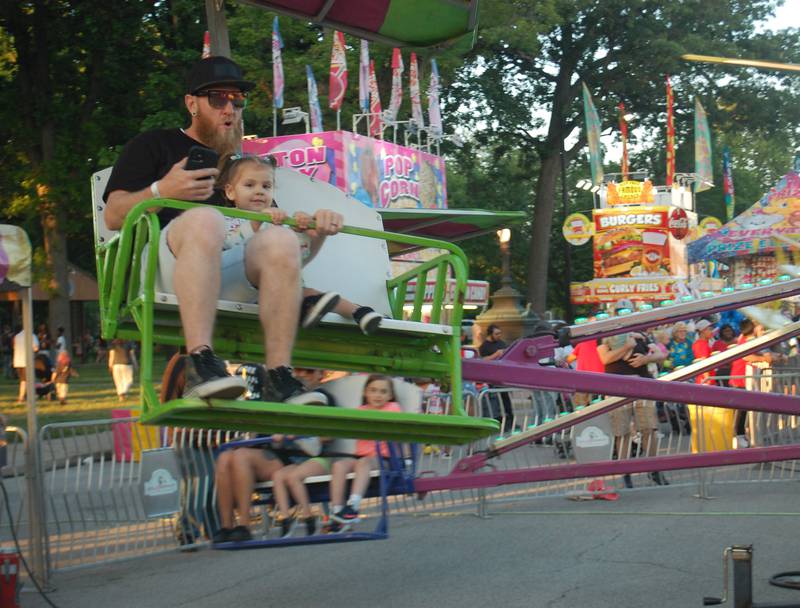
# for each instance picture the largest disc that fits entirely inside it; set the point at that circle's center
(630, 193)
(577, 229)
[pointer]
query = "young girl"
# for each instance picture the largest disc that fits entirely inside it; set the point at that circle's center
(378, 395)
(61, 375)
(248, 182)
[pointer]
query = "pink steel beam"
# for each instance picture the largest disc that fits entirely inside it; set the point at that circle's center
(465, 481)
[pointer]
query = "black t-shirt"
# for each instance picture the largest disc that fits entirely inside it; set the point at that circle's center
(488, 348)
(621, 366)
(148, 157)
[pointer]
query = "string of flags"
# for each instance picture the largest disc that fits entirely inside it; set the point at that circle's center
(368, 95)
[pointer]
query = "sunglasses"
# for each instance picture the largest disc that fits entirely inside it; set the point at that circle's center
(219, 99)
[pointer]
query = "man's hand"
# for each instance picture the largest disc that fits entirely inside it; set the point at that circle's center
(195, 185)
(327, 223)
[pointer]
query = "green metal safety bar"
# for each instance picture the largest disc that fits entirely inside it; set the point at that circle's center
(128, 310)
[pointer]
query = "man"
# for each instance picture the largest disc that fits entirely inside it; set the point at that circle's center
(629, 354)
(151, 166)
(493, 348)
(19, 360)
(701, 348)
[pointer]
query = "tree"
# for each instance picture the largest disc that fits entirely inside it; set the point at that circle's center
(521, 87)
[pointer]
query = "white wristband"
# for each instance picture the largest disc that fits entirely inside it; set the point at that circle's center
(154, 189)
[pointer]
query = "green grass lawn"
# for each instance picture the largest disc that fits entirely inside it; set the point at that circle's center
(91, 396)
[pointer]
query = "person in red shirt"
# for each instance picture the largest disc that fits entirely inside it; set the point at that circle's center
(701, 348)
(586, 360)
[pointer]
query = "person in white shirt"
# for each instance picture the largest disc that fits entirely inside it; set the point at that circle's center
(61, 341)
(19, 360)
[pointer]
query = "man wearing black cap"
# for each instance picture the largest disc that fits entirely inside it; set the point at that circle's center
(191, 258)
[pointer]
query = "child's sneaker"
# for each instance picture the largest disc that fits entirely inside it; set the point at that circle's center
(207, 378)
(310, 524)
(348, 515)
(368, 320)
(287, 525)
(313, 308)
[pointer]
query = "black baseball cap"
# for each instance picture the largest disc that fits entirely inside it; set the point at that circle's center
(216, 71)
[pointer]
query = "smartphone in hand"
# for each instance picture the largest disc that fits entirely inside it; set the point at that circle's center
(201, 157)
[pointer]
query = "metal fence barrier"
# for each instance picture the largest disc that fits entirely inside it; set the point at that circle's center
(93, 469)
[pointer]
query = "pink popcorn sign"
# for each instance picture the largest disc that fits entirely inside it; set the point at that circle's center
(378, 173)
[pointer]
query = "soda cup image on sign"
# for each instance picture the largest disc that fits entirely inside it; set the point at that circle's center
(653, 249)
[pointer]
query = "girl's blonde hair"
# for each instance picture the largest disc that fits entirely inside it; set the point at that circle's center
(232, 165)
(374, 378)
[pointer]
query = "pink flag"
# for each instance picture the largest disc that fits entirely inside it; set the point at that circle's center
(363, 77)
(397, 84)
(337, 83)
(206, 45)
(277, 65)
(374, 103)
(416, 101)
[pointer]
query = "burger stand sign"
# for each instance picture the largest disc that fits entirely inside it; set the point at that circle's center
(636, 253)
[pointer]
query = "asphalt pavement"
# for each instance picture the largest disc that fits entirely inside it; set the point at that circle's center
(658, 547)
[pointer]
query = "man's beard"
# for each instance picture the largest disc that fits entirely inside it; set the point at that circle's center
(223, 142)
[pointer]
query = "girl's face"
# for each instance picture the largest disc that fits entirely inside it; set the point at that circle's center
(252, 187)
(378, 393)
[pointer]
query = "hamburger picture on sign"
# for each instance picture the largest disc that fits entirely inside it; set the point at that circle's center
(631, 242)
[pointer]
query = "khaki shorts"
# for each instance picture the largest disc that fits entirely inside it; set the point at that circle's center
(234, 286)
(641, 413)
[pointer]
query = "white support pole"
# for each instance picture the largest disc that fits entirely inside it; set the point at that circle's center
(33, 469)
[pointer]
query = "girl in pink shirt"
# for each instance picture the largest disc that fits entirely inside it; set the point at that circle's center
(378, 395)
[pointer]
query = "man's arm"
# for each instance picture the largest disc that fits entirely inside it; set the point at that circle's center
(608, 355)
(178, 184)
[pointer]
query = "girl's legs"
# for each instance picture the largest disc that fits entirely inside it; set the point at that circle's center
(279, 489)
(363, 468)
(223, 480)
(248, 466)
(296, 482)
(339, 471)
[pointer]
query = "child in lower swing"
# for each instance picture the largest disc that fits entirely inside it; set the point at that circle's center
(248, 182)
(378, 395)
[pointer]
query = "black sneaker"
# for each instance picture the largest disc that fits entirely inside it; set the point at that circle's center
(311, 525)
(239, 534)
(348, 515)
(317, 306)
(368, 320)
(207, 378)
(287, 524)
(283, 387)
(223, 535)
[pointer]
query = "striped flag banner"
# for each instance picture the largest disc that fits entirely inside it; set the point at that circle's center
(363, 77)
(375, 129)
(206, 45)
(623, 129)
(593, 136)
(413, 85)
(313, 102)
(337, 83)
(397, 84)
(727, 184)
(434, 110)
(277, 66)
(702, 149)
(670, 136)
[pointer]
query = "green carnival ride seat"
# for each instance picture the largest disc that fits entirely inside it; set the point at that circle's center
(355, 264)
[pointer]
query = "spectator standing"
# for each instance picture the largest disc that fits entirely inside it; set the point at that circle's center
(62, 374)
(19, 360)
(680, 348)
(701, 348)
(727, 338)
(61, 341)
(121, 362)
(493, 348)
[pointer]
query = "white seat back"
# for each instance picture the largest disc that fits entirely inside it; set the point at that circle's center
(99, 181)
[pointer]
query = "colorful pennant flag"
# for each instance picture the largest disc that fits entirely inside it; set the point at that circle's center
(206, 45)
(375, 127)
(623, 129)
(413, 85)
(434, 111)
(313, 102)
(702, 149)
(277, 66)
(593, 137)
(397, 84)
(363, 77)
(337, 83)
(727, 184)
(670, 136)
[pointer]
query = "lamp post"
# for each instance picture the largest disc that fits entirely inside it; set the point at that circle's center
(506, 309)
